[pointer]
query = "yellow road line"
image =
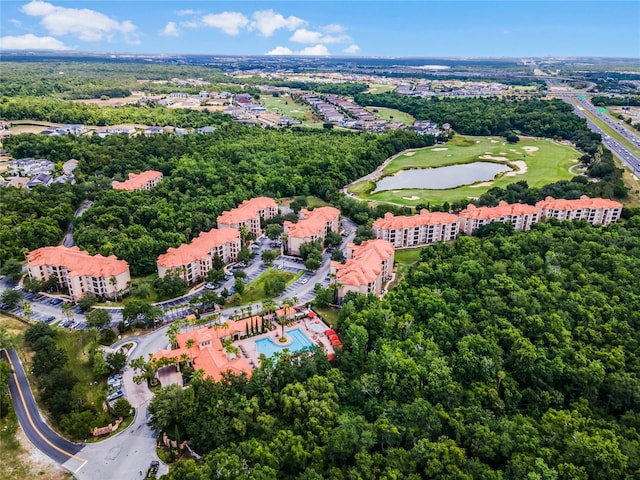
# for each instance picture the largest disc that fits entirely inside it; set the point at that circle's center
(24, 403)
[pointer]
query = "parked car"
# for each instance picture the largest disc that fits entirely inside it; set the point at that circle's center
(115, 395)
(50, 319)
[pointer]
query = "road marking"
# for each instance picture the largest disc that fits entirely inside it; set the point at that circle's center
(78, 469)
(24, 403)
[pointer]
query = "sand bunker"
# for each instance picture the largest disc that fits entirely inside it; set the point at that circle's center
(503, 153)
(412, 197)
(409, 154)
(520, 165)
(489, 157)
(481, 184)
(495, 141)
(439, 149)
(530, 149)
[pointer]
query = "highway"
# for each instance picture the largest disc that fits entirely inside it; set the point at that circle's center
(583, 108)
(35, 428)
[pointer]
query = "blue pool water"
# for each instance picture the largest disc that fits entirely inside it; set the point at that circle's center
(318, 327)
(298, 341)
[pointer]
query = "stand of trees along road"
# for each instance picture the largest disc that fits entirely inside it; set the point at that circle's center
(512, 355)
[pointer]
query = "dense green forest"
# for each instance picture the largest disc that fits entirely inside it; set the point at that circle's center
(602, 101)
(206, 174)
(509, 355)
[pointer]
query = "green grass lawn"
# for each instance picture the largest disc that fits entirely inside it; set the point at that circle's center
(404, 259)
(380, 88)
(546, 162)
(254, 290)
(284, 105)
(392, 115)
(329, 315)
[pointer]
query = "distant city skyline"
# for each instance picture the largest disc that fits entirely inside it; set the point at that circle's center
(339, 28)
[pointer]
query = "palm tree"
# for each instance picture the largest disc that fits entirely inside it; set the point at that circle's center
(172, 332)
(190, 344)
(113, 281)
(198, 375)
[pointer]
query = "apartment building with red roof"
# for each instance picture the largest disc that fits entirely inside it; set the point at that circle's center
(80, 272)
(139, 181)
(520, 215)
(192, 261)
(249, 213)
(368, 267)
(421, 229)
(596, 211)
(313, 225)
(208, 353)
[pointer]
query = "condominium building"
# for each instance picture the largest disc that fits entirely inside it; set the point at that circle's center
(313, 225)
(249, 213)
(421, 229)
(367, 268)
(139, 181)
(80, 272)
(520, 215)
(192, 261)
(208, 353)
(596, 211)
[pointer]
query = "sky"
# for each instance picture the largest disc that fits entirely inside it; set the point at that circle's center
(418, 28)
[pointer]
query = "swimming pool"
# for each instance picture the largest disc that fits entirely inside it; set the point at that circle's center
(298, 341)
(318, 327)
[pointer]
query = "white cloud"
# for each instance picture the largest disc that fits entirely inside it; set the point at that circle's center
(171, 30)
(229, 22)
(315, 50)
(182, 13)
(15, 22)
(303, 35)
(268, 21)
(333, 28)
(88, 25)
(190, 24)
(353, 48)
(280, 51)
(31, 42)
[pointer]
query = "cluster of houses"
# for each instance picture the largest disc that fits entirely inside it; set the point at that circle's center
(33, 172)
(449, 88)
(75, 129)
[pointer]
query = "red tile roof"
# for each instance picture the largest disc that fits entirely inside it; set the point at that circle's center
(502, 210)
(425, 217)
(246, 210)
(78, 262)
(312, 223)
(366, 263)
(550, 203)
(199, 247)
(136, 181)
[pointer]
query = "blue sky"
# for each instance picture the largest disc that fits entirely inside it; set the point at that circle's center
(309, 27)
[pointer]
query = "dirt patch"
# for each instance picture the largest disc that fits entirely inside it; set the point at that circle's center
(490, 157)
(412, 197)
(481, 184)
(32, 463)
(520, 165)
(530, 149)
(439, 149)
(409, 154)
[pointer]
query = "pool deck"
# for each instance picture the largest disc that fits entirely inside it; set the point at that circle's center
(249, 349)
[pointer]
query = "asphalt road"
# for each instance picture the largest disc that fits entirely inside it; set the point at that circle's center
(36, 429)
(68, 236)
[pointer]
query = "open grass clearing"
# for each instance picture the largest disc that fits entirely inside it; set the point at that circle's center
(546, 162)
(254, 290)
(392, 115)
(284, 105)
(405, 259)
(329, 315)
(380, 88)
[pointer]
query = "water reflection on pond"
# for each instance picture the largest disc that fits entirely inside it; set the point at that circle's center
(441, 178)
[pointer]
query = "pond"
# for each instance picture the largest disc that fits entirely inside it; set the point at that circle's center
(441, 178)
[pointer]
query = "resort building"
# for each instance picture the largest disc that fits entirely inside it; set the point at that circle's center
(207, 353)
(313, 225)
(139, 181)
(192, 261)
(520, 215)
(421, 229)
(367, 268)
(80, 272)
(596, 211)
(249, 213)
